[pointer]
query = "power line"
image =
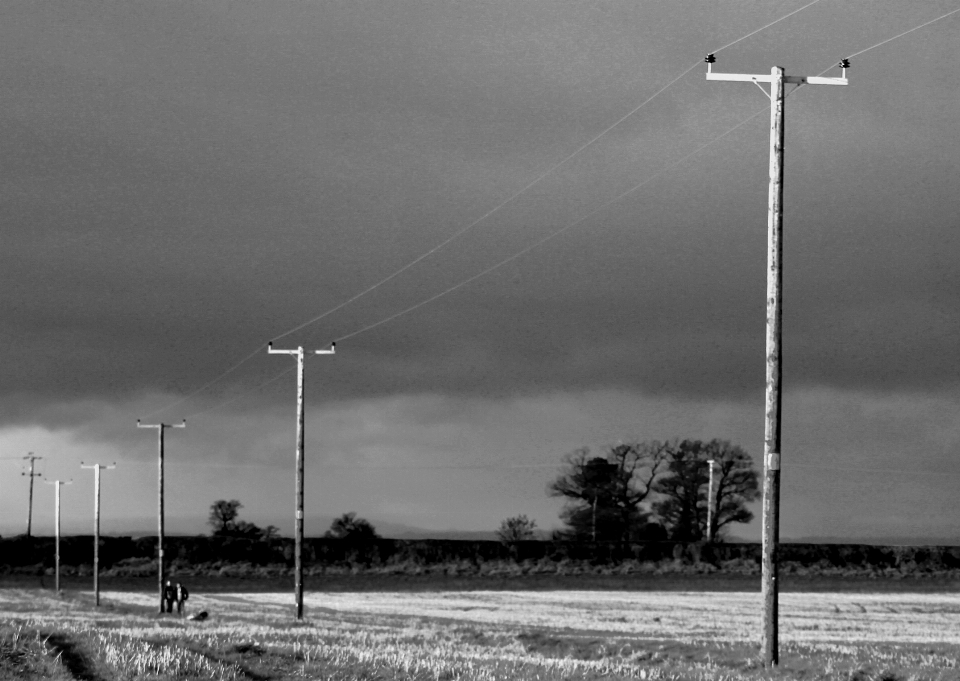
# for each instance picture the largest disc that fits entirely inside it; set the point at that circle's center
(887, 40)
(536, 181)
(433, 250)
(495, 466)
(900, 35)
(483, 217)
(535, 244)
(197, 464)
(211, 382)
(763, 28)
(243, 394)
(550, 236)
(853, 469)
(473, 224)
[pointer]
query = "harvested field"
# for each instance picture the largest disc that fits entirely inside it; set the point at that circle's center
(492, 635)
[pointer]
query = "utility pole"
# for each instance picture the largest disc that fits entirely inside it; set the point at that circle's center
(57, 484)
(96, 526)
(769, 588)
(710, 504)
(593, 532)
(30, 457)
(298, 541)
(160, 428)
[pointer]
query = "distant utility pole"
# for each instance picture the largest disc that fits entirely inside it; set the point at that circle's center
(771, 432)
(160, 428)
(710, 504)
(96, 525)
(30, 457)
(298, 542)
(593, 531)
(57, 484)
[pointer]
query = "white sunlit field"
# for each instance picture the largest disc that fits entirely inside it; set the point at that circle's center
(479, 635)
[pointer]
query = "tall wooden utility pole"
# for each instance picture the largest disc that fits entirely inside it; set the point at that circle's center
(96, 525)
(298, 541)
(31, 458)
(710, 504)
(57, 484)
(160, 568)
(771, 432)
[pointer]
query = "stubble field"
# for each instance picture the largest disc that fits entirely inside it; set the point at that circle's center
(478, 635)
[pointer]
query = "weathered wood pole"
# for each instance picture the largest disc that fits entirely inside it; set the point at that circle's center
(56, 545)
(57, 540)
(96, 535)
(298, 542)
(298, 533)
(160, 566)
(30, 500)
(710, 504)
(160, 514)
(31, 475)
(769, 588)
(96, 526)
(771, 432)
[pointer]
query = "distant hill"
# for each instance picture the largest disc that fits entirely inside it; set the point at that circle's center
(887, 540)
(146, 526)
(390, 530)
(314, 527)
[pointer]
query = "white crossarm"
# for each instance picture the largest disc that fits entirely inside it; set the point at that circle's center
(766, 78)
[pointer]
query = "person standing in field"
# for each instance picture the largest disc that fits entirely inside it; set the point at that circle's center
(169, 595)
(182, 596)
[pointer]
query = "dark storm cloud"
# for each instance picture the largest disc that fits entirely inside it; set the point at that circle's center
(182, 182)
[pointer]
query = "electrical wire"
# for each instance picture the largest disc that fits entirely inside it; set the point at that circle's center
(550, 236)
(614, 200)
(536, 181)
(915, 28)
(495, 466)
(763, 28)
(473, 224)
(854, 469)
(243, 394)
(209, 383)
(490, 212)
(198, 464)
(535, 244)
(899, 35)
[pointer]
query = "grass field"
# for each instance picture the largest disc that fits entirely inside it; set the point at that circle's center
(478, 635)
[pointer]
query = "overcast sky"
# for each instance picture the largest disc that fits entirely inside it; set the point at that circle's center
(182, 182)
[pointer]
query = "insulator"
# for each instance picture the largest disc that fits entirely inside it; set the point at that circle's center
(844, 64)
(710, 58)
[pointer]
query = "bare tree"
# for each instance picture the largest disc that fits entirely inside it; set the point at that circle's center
(223, 515)
(518, 528)
(605, 493)
(350, 527)
(683, 488)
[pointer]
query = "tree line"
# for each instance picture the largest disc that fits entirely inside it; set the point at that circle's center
(224, 520)
(633, 492)
(649, 491)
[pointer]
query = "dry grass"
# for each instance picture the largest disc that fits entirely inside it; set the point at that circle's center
(27, 654)
(496, 635)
